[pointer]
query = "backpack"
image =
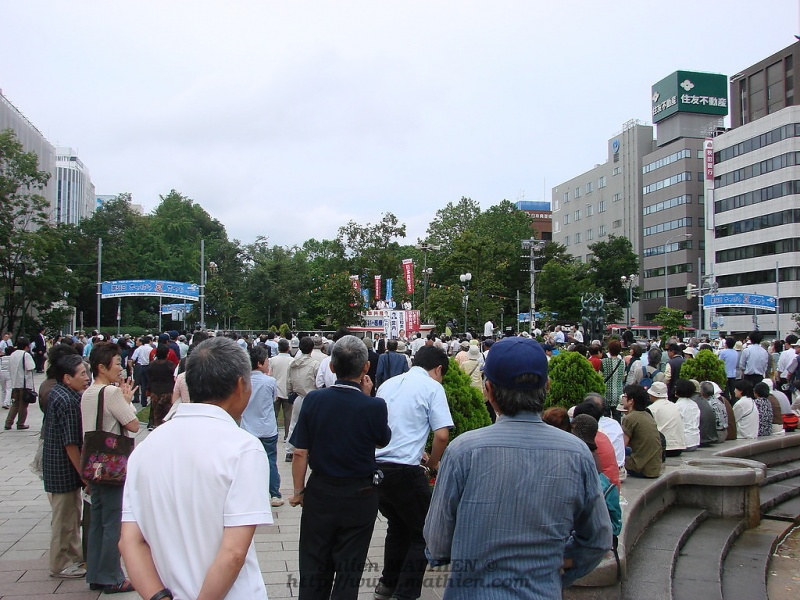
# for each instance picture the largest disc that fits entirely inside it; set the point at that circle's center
(647, 378)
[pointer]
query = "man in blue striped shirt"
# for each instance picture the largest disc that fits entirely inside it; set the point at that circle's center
(517, 510)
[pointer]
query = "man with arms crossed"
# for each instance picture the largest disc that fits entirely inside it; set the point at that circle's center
(518, 501)
(417, 405)
(197, 487)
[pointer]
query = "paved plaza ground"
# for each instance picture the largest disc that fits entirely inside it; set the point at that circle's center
(25, 532)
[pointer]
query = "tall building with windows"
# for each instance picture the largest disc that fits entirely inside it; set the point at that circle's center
(32, 140)
(754, 220)
(687, 108)
(75, 195)
(607, 199)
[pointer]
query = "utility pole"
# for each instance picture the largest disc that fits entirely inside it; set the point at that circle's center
(533, 246)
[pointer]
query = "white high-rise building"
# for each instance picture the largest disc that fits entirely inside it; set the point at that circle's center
(75, 195)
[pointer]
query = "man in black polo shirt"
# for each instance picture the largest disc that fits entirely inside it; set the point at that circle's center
(337, 432)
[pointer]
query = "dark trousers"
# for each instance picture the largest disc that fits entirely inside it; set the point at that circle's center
(404, 499)
(753, 378)
(335, 531)
(287, 414)
(102, 559)
(137, 381)
(144, 381)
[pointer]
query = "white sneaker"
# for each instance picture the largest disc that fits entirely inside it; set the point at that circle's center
(73, 571)
(275, 501)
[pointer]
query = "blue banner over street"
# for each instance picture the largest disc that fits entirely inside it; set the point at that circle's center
(150, 287)
(740, 300)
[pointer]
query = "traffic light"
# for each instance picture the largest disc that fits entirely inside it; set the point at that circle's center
(691, 292)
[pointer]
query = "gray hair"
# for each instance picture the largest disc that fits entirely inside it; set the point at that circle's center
(707, 389)
(596, 398)
(68, 365)
(214, 368)
(348, 357)
(653, 357)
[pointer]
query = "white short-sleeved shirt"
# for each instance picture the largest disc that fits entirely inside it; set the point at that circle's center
(417, 405)
(117, 412)
(204, 473)
(669, 422)
(325, 377)
(746, 418)
(614, 432)
(690, 414)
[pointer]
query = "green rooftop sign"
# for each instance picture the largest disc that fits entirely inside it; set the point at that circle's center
(689, 91)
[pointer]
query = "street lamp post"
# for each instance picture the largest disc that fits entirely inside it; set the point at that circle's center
(426, 272)
(465, 279)
(666, 256)
(629, 283)
(212, 266)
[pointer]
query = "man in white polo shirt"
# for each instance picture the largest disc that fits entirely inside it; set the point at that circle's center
(197, 487)
(417, 405)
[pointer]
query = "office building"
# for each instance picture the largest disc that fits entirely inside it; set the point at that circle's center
(541, 218)
(75, 195)
(687, 107)
(607, 199)
(32, 140)
(754, 230)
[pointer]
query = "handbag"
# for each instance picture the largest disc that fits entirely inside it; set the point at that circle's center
(27, 395)
(104, 458)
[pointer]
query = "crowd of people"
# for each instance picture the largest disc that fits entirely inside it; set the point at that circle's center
(370, 419)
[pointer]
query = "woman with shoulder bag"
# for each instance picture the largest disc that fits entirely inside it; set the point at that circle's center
(21, 366)
(103, 569)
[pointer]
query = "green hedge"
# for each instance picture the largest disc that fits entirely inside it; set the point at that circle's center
(571, 378)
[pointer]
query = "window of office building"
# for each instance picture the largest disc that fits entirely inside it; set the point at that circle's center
(566, 218)
(668, 226)
(617, 224)
(577, 193)
(601, 206)
(588, 187)
(589, 235)
(566, 240)
(616, 171)
(577, 238)
(616, 197)
(601, 231)
(601, 183)
(578, 215)
(775, 163)
(675, 179)
(589, 210)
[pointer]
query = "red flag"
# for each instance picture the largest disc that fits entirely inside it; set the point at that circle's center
(408, 274)
(377, 287)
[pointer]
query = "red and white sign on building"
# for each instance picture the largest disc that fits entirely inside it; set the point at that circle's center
(408, 274)
(708, 157)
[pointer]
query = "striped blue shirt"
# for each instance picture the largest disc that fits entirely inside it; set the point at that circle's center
(511, 502)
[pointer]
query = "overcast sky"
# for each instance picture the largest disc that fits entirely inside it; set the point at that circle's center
(287, 119)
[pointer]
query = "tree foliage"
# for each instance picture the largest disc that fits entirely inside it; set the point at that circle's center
(671, 320)
(571, 378)
(24, 249)
(467, 405)
(705, 366)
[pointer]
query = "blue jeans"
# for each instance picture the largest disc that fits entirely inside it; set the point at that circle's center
(271, 446)
(102, 560)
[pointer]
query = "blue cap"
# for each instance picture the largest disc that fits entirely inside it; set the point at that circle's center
(515, 356)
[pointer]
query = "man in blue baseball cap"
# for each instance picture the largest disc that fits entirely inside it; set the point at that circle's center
(516, 505)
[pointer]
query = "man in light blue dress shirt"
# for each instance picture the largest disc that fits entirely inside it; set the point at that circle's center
(517, 510)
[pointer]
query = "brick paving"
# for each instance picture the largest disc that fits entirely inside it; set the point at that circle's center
(25, 532)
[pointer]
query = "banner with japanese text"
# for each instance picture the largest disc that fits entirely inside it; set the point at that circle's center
(408, 274)
(365, 295)
(355, 283)
(389, 284)
(377, 287)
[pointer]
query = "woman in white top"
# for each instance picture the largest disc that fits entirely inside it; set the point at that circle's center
(690, 413)
(745, 411)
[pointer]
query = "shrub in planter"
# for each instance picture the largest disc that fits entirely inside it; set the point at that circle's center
(706, 366)
(571, 378)
(466, 402)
